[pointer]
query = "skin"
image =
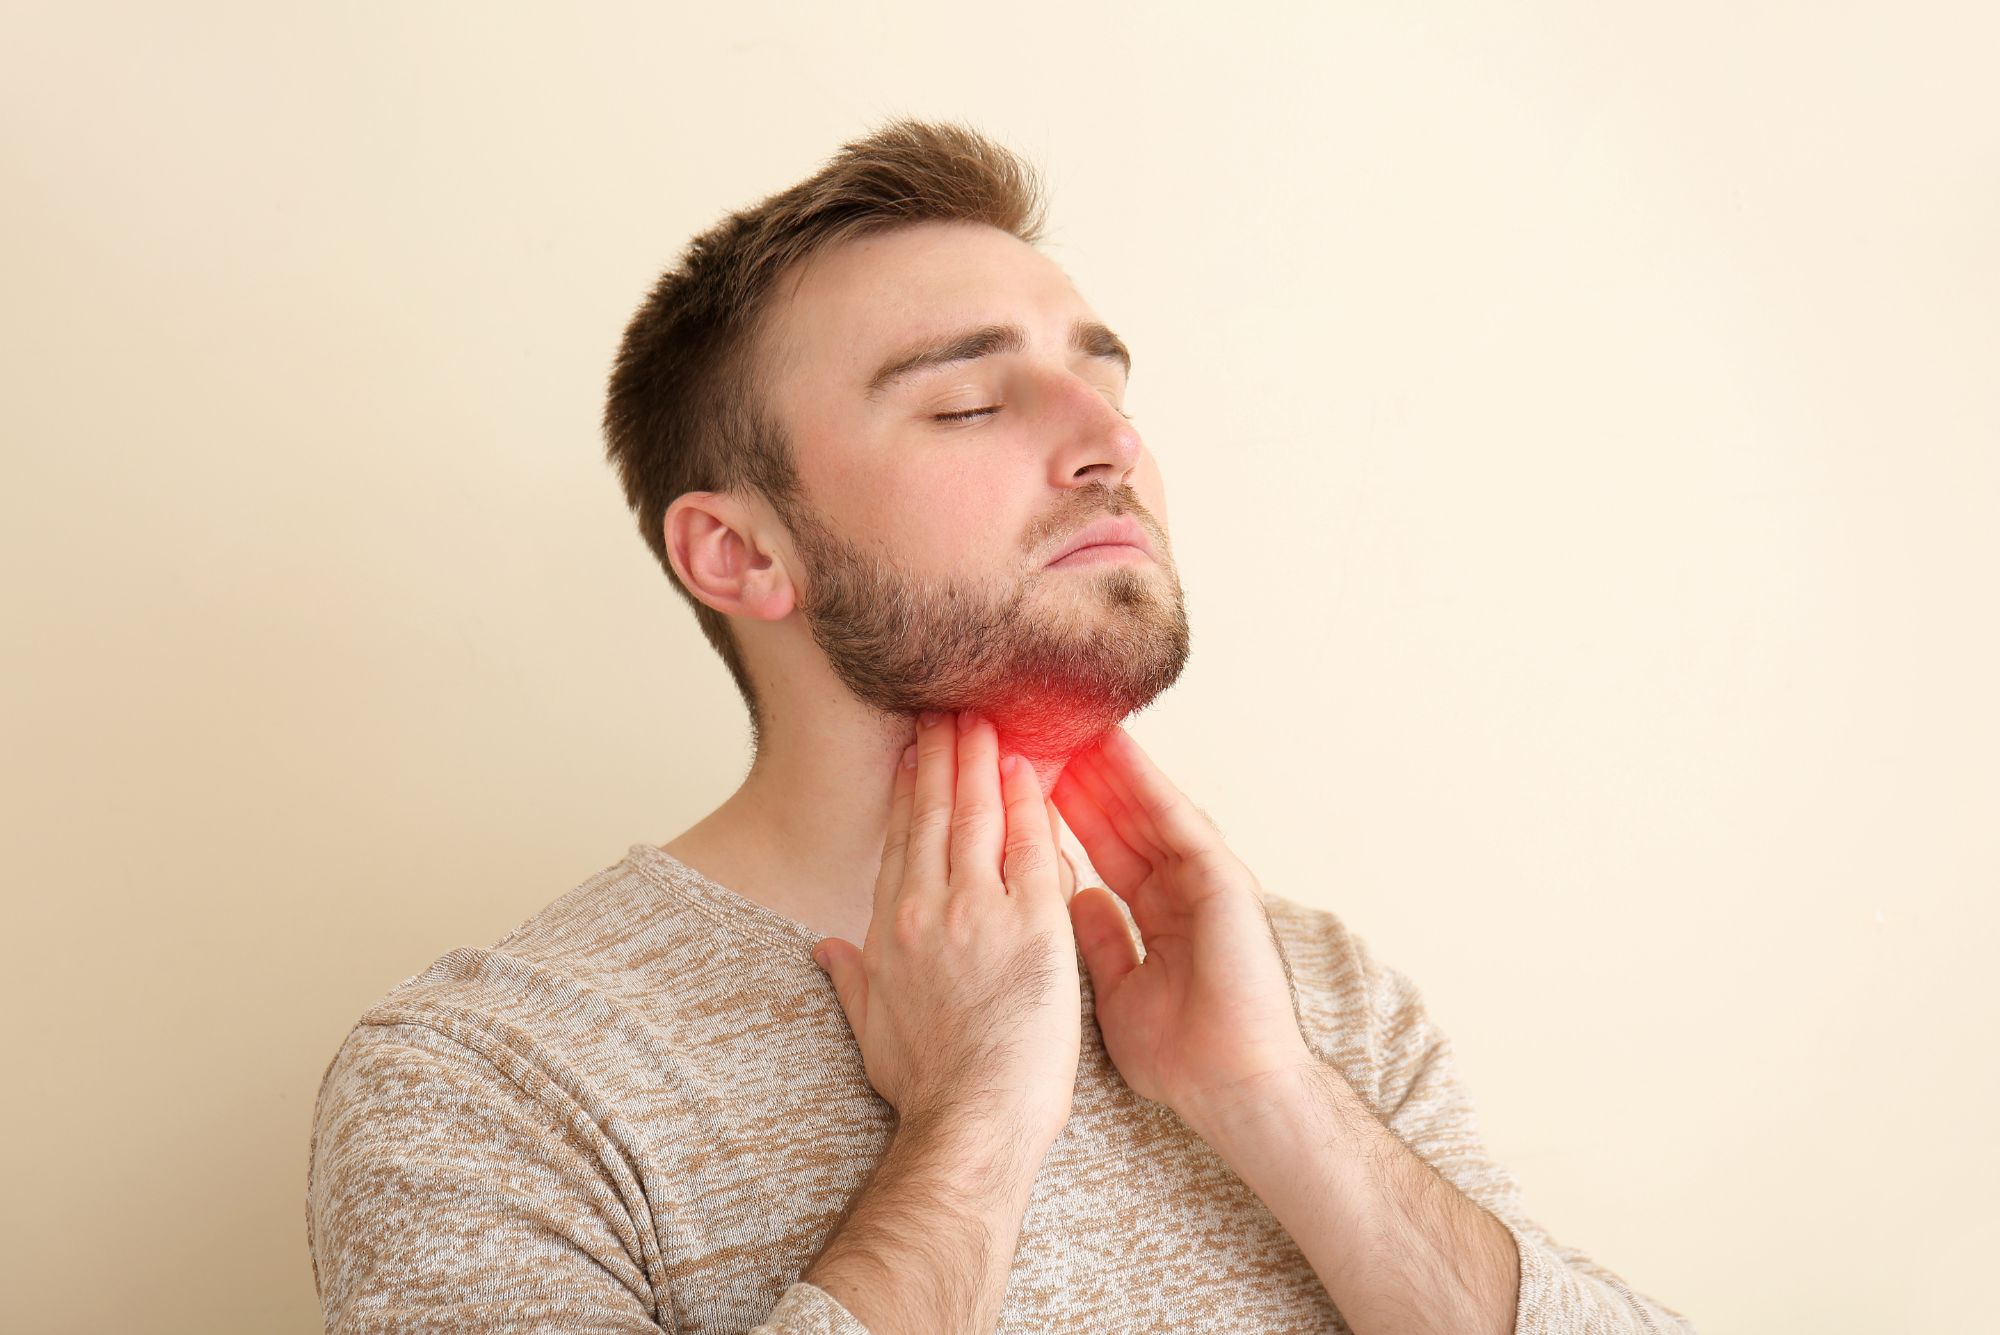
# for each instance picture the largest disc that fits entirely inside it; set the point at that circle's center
(923, 842)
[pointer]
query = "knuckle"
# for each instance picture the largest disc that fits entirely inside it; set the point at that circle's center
(928, 824)
(957, 918)
(971, 819)
(1025, 858)
(965, 928)
(966, 909)
(908, 926)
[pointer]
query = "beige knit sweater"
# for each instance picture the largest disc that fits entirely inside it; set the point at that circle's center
(643, 1110)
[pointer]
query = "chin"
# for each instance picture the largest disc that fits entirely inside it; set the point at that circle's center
(1072, 688)
(1054, 662)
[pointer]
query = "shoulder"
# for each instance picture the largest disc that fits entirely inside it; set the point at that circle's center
(493, 1032)
(1361, 1016)
(394, 1086)
(645, 987)
(418, 1137)
(620, 957)
(1333, 966)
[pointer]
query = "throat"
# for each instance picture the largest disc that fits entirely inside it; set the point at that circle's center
(1047, 729)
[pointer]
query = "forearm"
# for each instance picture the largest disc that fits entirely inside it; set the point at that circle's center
(928, 1243)
(1396, 1246)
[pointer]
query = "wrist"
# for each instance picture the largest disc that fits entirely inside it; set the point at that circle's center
(928, 1243)
(978, 1156)
(1282, 1116)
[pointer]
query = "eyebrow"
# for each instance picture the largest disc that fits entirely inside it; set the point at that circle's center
(1085, 336)
(1095, 340)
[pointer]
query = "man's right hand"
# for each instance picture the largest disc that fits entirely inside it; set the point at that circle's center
(966, 1005)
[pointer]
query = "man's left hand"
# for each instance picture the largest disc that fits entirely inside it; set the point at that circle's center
(1203, 1022)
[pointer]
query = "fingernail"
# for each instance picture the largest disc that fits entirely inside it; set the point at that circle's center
(910, 756)
(928, 719)
(1008, 765)
(967, 720)
(819, 959)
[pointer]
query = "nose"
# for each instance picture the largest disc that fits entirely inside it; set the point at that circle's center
(1093, 441)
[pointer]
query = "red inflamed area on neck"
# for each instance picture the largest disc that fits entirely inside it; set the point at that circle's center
(1113, 540)
(1046, 731)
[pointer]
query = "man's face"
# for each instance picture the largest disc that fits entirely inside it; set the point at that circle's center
(979, 528)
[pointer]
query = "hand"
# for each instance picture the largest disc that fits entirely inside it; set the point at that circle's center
(966, 1004)
(965, 998)
(1205, 1023)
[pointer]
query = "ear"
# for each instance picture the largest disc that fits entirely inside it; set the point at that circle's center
(729, 554)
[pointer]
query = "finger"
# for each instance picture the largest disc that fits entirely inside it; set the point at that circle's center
(1114, 799)
(1122, 867)
(1106, 942)
(1160, 810)
(926, 859)
(1030, 862)
(842, 962)
(1067, 880)
(978, 819)
(1089, 774)
(896, 843)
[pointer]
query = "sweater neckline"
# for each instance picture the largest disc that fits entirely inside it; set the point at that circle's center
(726, 907)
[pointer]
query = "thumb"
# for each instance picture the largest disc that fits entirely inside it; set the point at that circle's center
(842, 962)
(1101, 934)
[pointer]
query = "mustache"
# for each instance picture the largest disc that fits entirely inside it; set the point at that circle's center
(1083, 505)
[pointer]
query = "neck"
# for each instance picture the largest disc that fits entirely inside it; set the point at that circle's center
(803, 834)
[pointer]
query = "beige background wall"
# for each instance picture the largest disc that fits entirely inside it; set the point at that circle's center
(1582, 429)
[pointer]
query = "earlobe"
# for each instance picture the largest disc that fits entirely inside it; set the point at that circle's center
(724, 556)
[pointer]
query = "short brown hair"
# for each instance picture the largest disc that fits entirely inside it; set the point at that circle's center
(684, 413)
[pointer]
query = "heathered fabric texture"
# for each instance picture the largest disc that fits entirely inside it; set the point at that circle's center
(644, 1110)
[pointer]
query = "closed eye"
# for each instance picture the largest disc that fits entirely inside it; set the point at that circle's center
(967, 414)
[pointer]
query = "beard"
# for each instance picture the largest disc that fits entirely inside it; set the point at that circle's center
(1051, 680)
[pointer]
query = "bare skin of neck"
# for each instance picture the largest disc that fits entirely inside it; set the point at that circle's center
(803, 834)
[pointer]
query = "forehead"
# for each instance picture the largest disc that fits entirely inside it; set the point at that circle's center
(849, 305)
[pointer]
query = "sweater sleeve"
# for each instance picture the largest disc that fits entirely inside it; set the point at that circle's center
(1404, 1067)
(448, 1194)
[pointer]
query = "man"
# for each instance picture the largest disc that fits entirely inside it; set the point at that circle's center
(830, 1062)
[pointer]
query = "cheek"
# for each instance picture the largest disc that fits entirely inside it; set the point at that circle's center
(933, 521)
(967, 521)
(1152, 488)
